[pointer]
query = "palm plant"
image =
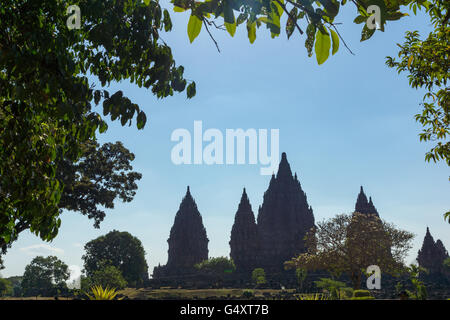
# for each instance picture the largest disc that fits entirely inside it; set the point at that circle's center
(100, 293)
(313, 296)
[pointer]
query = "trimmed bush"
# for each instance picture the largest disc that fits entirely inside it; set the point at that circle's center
(346, 293)
(361, 293)
(363, 298)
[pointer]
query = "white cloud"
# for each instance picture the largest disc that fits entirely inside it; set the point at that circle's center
(41, 249)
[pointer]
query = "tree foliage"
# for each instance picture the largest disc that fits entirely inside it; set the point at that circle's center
(316, 17)
(259, 276)
(6, 288)
(44, 276)
(420, 291)
(332, 287)
(350, 243)
(217, 266)
(300, 274)
(446, 264)
(427, 62)
(118, 249)
(47, 99)
(101, 175)
(107, 276)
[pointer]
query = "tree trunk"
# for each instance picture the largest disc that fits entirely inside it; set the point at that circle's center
(356, 280)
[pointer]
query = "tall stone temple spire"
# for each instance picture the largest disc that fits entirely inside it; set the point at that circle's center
(364, 206)
(432, 254)
(244, 237)
(188, 242)
(283, 219)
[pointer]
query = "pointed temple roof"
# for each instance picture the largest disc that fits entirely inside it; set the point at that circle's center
(188, 242)
(364, 206)
(284, 169)
(283, 218)
(244, 236)
(432, 254)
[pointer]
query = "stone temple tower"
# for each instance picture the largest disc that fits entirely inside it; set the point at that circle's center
(432, 254)
(364, 206)
(244, 237)
(283, 219)
(188, 242)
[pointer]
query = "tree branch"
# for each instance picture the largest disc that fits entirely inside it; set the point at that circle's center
(206, 22)
(289, 14)
(343, 41)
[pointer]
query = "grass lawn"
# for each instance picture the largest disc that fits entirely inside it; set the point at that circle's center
(172, 293)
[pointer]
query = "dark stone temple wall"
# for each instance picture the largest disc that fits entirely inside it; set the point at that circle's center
(283, 220)
(188, 242)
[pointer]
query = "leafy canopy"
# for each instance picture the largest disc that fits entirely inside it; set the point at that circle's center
(43, 276)
(107, 276)
(51, 78)
(6, 288)
(118, 249)
(102, 174)
(259, 276)
(318, 16)
(350, 243)
(216, 266)
(427, 62)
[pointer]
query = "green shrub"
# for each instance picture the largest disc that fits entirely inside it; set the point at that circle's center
(313, 296)
(6, 288)
(259, 277)
(346, 293)
(330, 286)
(362, 298)
(247, 294)
(361, 293)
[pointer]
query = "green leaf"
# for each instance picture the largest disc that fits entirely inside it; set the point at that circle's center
(141, 120)
(360, 19)
(265, 20)
(228, 14)
(103, 127)
(194, 27)
(335, 38)
(191, 90)
(178, 9)
(311, 35)
(366, 33)
(230, 22)
(241, 18)
(97, 96)
(147, 2)
(251, 29)
(167, 21)
(410, 60)
(322, 46)
(290, 24)
(231, 28)
(331, 7)
(396, 16)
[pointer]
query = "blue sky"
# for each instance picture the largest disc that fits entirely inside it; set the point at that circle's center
(346, 123)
